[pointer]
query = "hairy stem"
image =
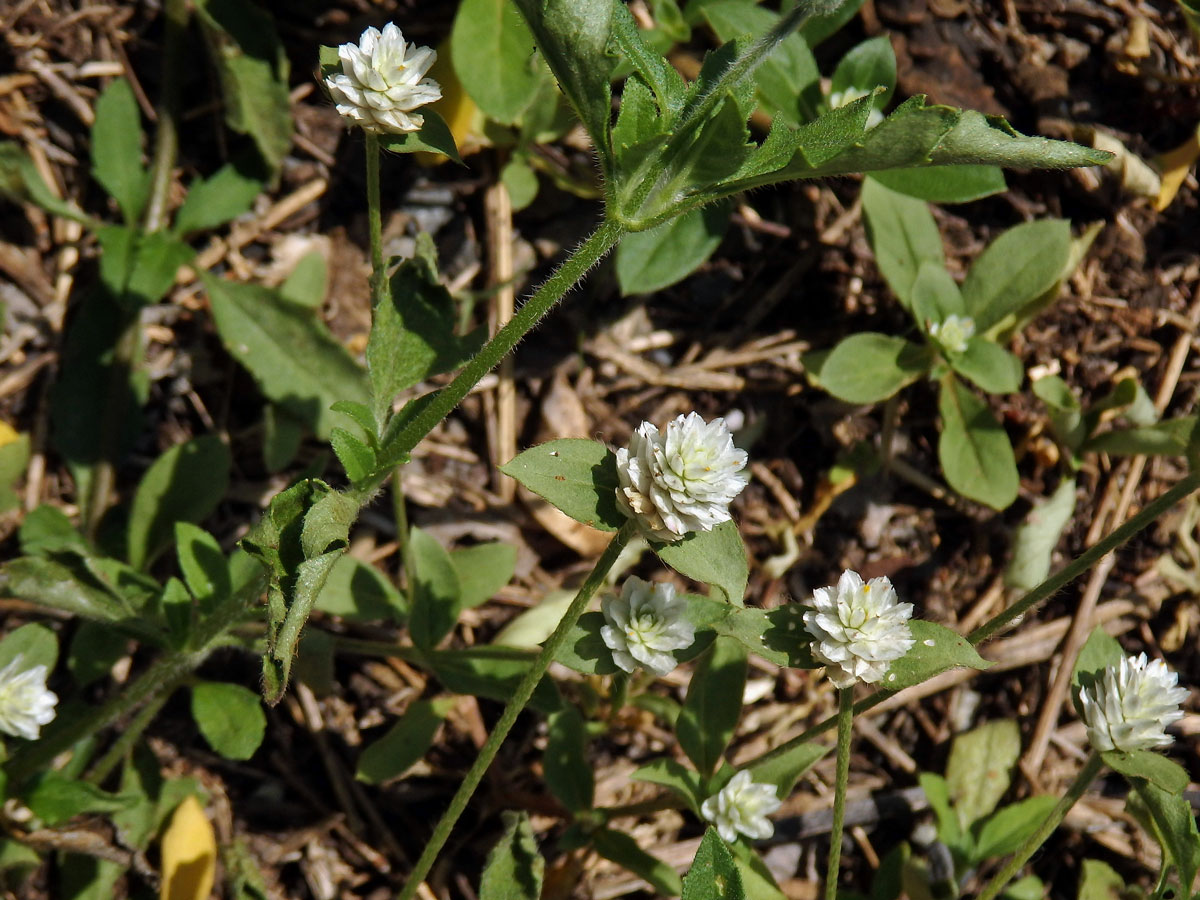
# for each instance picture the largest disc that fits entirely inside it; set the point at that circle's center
(1085, 777)
(133, 731)
(511, 711)
(526, 318)
(845, 721)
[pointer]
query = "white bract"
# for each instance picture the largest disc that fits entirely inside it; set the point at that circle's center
(858, 629)
(644, 624)
(953, 332)
(742, 807)
(1130, 705)
(383, 80)
(849, 95)
(682, 481)
(25, 704)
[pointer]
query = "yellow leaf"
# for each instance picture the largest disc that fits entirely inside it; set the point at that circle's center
(8, 434)
(1174, 165)
(189, 854)
(459, 110)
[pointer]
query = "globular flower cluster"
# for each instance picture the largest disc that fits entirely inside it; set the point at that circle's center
(25, 704)
(953, 332)
(858, 629)
(383, 80)
(645, 622)
(1131, 704)
(742, 807)
(681, 481)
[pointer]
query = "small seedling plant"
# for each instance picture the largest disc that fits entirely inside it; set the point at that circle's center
(676, 147)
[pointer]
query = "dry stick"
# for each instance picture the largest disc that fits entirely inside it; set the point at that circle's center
(498, 206)
(1082, 624)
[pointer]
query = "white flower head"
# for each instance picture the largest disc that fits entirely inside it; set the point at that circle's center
(742, 807)
(645, 622)
(953, 332)
(383, 80)
(858, 629)
(1131, 703)
(849, 95)
(682, 481)
(25, 704)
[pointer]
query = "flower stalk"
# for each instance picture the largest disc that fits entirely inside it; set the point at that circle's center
(845, 722)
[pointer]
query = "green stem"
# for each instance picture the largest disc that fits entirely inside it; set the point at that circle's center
(1085, 561)
(618, 691)
(1086, 776)
(531, 312)
(509, 717)
(845, 721)
(133, 731)
(166, 133)
(374, 215)
(1038, 595)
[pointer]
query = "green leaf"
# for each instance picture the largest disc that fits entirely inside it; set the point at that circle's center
(434, 136)
(565, 764)
(1028, 888)
(573, 37)
(623, 849)
(14, 460)
(36, 644)
(1007, 830)
(824, 22)
(521, 182)
(230, 718)
(253, 69)
(117, 149)
(716, 557)
(585, 650)
(514, 866)
(94, 650)
(788, 79)
(308, 283)
(491, 672)
(784, 770)
(578, 476)
(1146, 765)
(291, 354)
(282, 435)
(945, 184)
(21, 182)
(865, 67)
(676, 777)
(405, 743)
(935, 649)
(979, 770)
(713, 874)
(1016, 268)
(202, 563)
(493, 55)
(355, 456)
(56, 799)
(56, 586)
(184, 484)
(1035, 539)
(648, 261)
(935, 295)
(937, 792)
(436, 592)
(714, 704)
(358, 592)
(974, 449)
(1167, 438)
(989, 366)
(482, 571)
(1066, 415)
(412, 337)
(1173, 815)
(46, 530)
(869, 367)
(1099, 881)
(903, 235)
(1099, 651)
(211, 202)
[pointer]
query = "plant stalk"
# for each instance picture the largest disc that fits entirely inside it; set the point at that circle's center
(565, 277)
(133, 731)
(845, 722)
(508, 718)
(1085, 777)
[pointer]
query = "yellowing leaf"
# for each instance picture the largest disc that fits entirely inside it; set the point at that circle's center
(457, 108)
(8, 434)
(189, 854)
(1174, 165)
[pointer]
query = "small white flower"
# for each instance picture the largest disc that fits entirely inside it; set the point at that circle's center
(742, 807)
(383, 80)
(849, 95)
(1131, 704)
(645, 623)
(858, 629)
(683, 481)
(25, 704)
(953, 333)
